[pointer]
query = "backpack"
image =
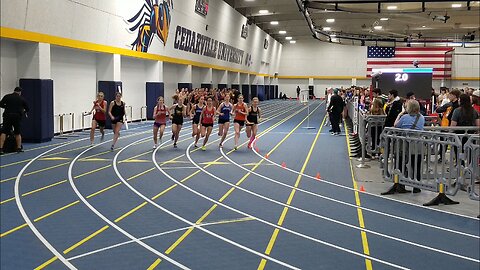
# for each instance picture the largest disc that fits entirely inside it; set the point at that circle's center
(445, 122)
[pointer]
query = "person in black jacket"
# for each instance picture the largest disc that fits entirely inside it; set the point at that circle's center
(335, 109)
(394, 108)
(423, 110)
(15, 106)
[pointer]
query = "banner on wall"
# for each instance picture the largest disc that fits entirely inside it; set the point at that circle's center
(152, 19)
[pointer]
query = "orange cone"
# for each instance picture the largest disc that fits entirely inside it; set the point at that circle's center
(284, 165)
(256, 149)
(267, 156)
(318, 176)
(362, 189)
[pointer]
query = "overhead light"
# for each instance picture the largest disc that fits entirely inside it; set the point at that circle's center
(392, 7)
(288, 38)
(456, 5)
(378, 27)
(333, 35)
(263, 11)
(282, 32)
(293, 41)
(330, 20)
(327, 28)
(383, 19)
(274, 22)
(423, 26)
(334, 39)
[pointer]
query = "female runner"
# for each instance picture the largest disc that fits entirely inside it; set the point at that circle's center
(116, 112)
(160, 116)
(240, 110)
(207, 119)
(177, 112)
(195, 115)
(254, 114)
(224, 111)
(99, 118)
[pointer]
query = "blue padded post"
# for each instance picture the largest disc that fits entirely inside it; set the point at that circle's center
(153, 91)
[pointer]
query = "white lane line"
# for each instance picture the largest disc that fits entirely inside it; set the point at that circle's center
(24, 214)
(183, 219)
(330, 219)
(352, 205)
(365, 192)
(109, 222)
(275, 225)
(156, 235)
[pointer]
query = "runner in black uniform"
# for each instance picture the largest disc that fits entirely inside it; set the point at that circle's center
(177, 112)
(195, 115)
(253, 116)
(116, 112)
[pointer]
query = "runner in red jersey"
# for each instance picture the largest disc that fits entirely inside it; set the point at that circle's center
(99, 118)
(160, 115)
(207, 119)
(240, 110)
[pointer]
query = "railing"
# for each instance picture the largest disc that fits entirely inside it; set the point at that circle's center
(62, 133)
(430, 160)
(85, 115)
(129, 112)
(143, 113)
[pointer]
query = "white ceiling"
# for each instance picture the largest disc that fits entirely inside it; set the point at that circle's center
(358, 17)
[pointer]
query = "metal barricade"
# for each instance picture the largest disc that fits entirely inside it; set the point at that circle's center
(410, 159)
(471, 171)
(143, 113)
(362, 136)
(85, 115)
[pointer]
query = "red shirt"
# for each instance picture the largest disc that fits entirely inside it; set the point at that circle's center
(208, 115)
(99, 114)
(162, 117)
(240, 108)
(476, 107)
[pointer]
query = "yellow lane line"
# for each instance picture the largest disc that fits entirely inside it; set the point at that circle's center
(361, 221)
(154, 264)
(179, 240)
(138, 207)
(274, 236)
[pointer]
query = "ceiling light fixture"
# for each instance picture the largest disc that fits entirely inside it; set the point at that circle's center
(330, 20)
(327, 28)
(423, 26)
(263, 11)
(378, 27)
(383, 19)
(274, 22)
(392, 7)
(333, 35)
(288, 38)
(456, 5)
(293, 41)
(282, 32)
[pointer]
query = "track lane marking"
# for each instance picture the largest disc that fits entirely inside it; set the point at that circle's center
(274, 236)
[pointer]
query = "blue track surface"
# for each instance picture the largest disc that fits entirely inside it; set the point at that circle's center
(245, 211)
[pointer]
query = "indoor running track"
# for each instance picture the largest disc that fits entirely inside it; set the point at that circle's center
(290, 202)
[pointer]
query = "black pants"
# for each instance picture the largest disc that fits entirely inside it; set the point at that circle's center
(11, 121)
(335, 121)
(375, 133)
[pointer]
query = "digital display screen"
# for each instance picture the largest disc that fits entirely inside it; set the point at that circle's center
(418, 81)
(201, 7)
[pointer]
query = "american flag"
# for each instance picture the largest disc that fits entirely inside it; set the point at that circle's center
(403, 57)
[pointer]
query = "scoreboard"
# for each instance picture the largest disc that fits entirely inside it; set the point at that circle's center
(201, 7)
(404, 80)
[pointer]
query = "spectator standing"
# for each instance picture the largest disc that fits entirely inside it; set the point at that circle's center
(411, 95)
(475, 97)
(15, 107)
(393, 109)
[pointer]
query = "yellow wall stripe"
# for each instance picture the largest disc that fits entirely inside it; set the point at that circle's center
(23, 35)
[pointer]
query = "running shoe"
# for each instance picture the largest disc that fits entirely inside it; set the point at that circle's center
(1, 151)
(111, 148)
(235, 148)
(19, 150)
(204, 148)
(195, 146)
(154, 146)
(220, 145)
(174, 145)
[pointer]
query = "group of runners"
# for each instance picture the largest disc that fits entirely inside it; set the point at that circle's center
(201, 109)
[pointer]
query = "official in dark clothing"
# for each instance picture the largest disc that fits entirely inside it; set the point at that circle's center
(15, 107)
(423, 110)
(335, 109)
(298, 91)
(394, 108)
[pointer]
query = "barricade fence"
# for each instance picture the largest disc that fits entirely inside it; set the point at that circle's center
(437, 159)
